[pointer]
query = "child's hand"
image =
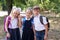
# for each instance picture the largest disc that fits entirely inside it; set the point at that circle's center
(8, 34)
(45, 37)
(34, 37)
(19, 21)
(19, 17)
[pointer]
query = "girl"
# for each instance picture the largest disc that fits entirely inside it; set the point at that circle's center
(28, 33)
(12, 25)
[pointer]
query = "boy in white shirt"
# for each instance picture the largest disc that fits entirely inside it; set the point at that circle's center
(41, 30)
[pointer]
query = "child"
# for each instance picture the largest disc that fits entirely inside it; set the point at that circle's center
(28, 32)
(12, 25)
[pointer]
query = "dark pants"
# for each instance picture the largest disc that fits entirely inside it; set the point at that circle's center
(14, 34)
(40, 35)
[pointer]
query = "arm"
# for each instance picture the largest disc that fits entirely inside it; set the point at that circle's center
(46, 32)
(46, 28)
(19, 22)
(6, 25)
(34, 32)
(22, 16)
(6, 28)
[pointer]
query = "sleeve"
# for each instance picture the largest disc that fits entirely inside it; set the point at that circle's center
(23, 19)
(32, 22)
(6, 24)
(44, 20)
(6, 19)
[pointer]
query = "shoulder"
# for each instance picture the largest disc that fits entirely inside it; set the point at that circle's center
(43, 17)
(24, 18)
(8, 18)
(32, 18)
(45, 20)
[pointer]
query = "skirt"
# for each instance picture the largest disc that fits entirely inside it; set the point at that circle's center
(14, 34)
(28, 35)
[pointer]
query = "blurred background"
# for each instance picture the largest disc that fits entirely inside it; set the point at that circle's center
(49, 8)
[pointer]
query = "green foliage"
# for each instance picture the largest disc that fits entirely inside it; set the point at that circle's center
(0, 7)
(44, 4)
(3, 5)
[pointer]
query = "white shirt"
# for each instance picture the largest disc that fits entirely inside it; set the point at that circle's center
(37, 23)
(27, 19)
(13, 23)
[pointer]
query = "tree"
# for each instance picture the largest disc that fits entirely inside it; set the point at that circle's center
(3, 3)
(53, 5)
(9, 5)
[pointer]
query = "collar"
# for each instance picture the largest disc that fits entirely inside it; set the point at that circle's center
(27, 19)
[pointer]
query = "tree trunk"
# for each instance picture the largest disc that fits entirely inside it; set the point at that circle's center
(9, 5)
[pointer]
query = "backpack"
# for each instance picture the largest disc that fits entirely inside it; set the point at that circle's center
(41, 20)
(9, 19)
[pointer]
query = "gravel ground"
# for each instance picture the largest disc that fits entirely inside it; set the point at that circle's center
(52, 35)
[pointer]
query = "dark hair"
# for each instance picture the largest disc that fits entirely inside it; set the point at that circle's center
(36, 7)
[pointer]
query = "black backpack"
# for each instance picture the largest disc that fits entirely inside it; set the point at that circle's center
(41, 20)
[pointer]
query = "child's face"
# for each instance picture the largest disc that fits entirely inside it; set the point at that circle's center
(28, 13)
(16, 14)
(36, 11)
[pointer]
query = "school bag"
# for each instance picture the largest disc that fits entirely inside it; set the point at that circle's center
(9, 19)
(41, 20)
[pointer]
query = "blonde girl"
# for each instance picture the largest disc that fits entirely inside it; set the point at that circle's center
(12, 25)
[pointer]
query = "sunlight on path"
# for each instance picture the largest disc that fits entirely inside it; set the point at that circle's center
(3, 13)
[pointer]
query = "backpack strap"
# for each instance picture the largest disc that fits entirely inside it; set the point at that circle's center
(41, 19)
(48, 23)
(47, 19)
(9, 20)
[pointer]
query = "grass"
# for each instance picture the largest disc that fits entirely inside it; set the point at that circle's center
(1, 27)
(1, 20)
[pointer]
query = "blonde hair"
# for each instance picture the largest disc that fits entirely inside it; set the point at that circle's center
(14, 10)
